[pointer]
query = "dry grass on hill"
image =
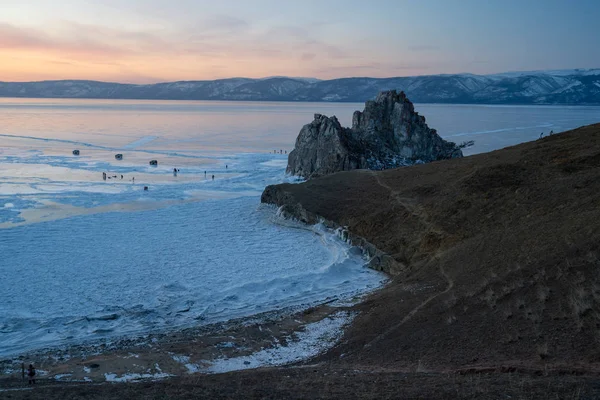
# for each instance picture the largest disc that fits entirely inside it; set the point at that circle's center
(500, 256)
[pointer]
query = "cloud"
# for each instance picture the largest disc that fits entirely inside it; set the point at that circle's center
(221, 47)
(225, 23)
(15, 38)
(423, 47)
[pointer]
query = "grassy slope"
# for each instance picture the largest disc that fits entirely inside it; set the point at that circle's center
(501, 254)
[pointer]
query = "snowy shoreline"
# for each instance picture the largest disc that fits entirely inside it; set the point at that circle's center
(273, 338)
(305, 340)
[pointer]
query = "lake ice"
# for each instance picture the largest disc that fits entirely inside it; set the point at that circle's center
(87, 259)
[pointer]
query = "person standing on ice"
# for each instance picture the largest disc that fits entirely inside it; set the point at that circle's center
(104, 175)
(31, 374)
(174, 171)
(213, 177)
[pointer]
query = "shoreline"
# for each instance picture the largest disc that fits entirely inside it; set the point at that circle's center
(200, 325)
(118, 358)
(204, 349)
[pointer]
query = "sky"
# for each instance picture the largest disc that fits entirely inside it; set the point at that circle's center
(147, 41)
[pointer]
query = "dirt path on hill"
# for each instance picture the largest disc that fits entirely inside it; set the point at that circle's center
(482, 241)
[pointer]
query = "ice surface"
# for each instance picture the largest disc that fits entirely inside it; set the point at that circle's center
(496, 127)
(87, 259)
(90, 260)
(109, 274)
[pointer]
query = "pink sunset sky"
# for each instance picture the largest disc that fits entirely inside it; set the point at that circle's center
(155, 40)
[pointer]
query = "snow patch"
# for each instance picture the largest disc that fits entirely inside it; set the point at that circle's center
(569, 86)
(185, 360)
(181, 359)
(135, 377)
(192, 368)
(316, 338)
(61, 377)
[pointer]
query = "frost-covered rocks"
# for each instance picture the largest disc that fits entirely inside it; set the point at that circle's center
(387, 134)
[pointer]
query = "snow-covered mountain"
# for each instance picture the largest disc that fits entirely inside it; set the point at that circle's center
(576, 86)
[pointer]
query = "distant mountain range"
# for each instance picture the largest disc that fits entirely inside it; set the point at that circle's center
(575, 87)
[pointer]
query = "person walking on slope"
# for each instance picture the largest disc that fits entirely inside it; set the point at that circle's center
(31, 374)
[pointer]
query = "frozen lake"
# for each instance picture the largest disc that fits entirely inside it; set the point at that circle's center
(82, 258)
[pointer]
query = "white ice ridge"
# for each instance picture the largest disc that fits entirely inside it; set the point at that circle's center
(316, 339)
(140, 142)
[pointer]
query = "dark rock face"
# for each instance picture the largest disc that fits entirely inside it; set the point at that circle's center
(323, 147)
(387, 134)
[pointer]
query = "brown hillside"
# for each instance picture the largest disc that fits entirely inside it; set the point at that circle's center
(500, 255)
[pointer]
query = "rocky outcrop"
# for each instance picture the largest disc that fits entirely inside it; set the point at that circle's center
(324, 147)
(387, 134)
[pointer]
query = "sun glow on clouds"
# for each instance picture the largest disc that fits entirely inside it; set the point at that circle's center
(150, 41)
(230, 48)
(143, 41)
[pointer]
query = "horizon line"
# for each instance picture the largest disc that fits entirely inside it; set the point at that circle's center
(548, 71)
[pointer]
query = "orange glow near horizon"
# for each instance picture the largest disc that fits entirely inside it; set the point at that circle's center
(26, 65)
(21, 66)
(148, 41)
(92, 52)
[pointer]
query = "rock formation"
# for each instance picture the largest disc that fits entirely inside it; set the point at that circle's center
(387, 134)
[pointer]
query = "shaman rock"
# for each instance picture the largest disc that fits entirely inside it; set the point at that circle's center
(387, 134)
